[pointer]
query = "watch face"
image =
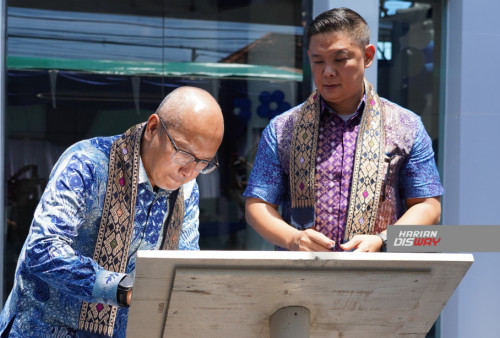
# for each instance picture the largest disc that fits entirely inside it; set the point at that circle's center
(121, 297)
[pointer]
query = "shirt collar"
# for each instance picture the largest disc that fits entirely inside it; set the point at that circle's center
(143, 179)
(359, 109)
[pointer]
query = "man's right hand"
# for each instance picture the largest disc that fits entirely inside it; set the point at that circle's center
(266, 220)
(311, 240)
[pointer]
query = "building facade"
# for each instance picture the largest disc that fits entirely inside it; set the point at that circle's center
(74, 70)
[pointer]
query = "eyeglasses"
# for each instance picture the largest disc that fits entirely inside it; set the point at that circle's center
(183, 157)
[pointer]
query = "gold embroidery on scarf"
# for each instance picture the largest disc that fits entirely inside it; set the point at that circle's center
(116, 226)
(303, 153)
(368, 162)
(171, 240)
(368, 171)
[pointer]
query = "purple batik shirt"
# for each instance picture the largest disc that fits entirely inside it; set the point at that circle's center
(269, 180)
(334, 163)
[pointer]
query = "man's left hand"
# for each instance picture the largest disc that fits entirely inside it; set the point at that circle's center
(363, 243)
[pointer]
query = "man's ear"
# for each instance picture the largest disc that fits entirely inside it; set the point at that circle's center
(369, 55)
(152, 127)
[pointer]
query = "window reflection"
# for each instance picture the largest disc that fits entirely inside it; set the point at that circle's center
(88, 41)
(409, 61)
(94, 68)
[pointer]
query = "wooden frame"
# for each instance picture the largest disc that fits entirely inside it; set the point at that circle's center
(234, 293)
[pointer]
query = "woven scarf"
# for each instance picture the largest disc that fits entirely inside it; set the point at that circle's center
(117, 222)
(368, 171)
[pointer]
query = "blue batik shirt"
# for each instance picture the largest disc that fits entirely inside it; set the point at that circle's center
(55, 271)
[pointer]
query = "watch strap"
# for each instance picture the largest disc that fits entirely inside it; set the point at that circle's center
(383, 236)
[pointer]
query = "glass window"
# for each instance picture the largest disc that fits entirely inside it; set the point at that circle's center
(94, 68)
(409, 58)
(409, 63)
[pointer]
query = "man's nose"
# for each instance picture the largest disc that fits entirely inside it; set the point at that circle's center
(188, 170)
(329, 70)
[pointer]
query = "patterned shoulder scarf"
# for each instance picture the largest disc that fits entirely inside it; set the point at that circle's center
(368, 171)
(117, 222)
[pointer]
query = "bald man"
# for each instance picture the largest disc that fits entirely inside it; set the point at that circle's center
(107, 198)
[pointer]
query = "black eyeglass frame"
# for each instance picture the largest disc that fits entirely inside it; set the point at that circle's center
(211, 165)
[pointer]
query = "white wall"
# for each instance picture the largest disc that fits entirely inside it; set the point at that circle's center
(369, 10)
(472, 159)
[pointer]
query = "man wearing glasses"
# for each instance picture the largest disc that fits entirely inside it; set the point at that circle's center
(107, 198)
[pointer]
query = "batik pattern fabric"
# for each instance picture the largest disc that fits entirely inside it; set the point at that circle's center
(408, 162)
(412, 171)
(334, 165)
(116, 224)
(368, 168)
(56, 273)
(117, 220)
(367, 172)
(303, 153)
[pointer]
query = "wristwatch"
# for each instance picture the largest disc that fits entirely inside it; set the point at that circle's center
(383, 236)
(124, 287)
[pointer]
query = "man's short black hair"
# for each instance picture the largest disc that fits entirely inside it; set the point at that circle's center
(340, 20)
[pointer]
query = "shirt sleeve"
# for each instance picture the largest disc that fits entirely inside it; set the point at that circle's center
(267, 180)
(190, 235)
(57, 223)
(419, 176)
